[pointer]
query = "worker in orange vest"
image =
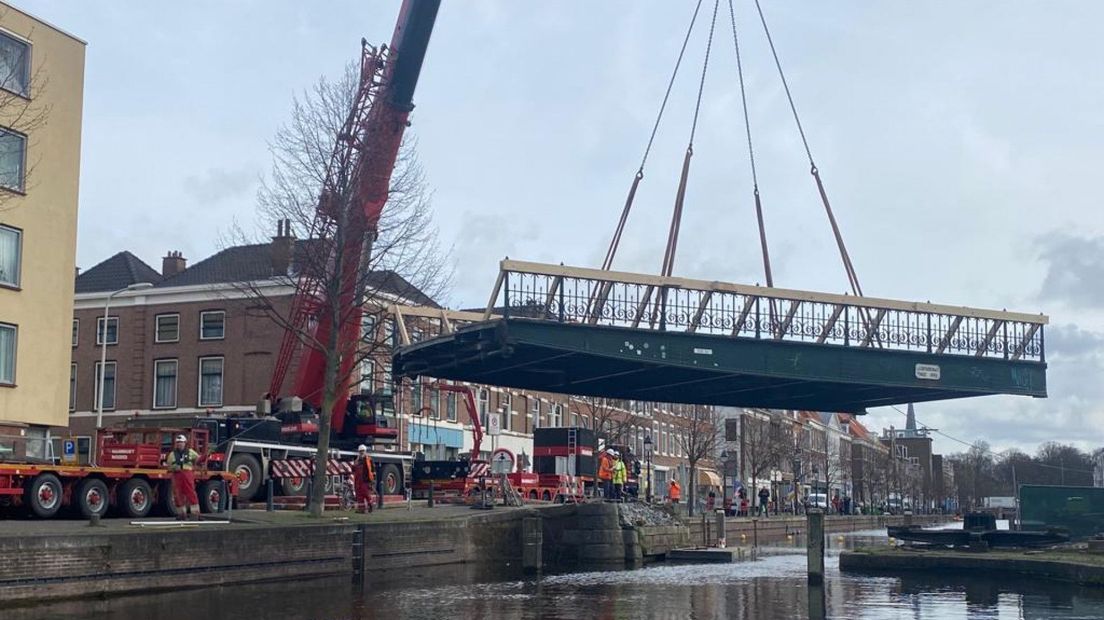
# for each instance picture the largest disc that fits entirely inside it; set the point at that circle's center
(181, 461)
(605, 473)
(674, 491)
(364, 475)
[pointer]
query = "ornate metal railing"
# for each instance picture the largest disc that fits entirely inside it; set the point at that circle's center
(596, 297)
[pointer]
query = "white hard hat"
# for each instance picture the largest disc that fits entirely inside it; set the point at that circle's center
(614, 453)
(362, 448)
(181, 438)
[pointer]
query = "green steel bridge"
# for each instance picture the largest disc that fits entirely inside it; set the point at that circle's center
(632, 336)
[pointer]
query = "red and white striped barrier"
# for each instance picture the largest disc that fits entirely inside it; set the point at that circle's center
(304, 468)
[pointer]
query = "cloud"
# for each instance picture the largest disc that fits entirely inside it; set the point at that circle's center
(1075, 269)
(217, 184)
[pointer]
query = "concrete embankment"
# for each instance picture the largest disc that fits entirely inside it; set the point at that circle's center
(68, 559)
(1060, 565)
(745, 530)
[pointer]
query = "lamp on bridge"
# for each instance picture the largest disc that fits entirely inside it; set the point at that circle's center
(648, 464)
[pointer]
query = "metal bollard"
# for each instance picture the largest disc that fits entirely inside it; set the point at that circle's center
(310, 494)
(429, 502)
(269, 506)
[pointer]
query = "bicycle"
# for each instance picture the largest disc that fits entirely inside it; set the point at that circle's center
(346, 493)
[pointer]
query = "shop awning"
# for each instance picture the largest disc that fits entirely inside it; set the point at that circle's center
(708, 477)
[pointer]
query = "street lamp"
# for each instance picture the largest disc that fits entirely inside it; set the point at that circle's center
(137, 286)
(796, 475)
(648, 463)
(724, 480)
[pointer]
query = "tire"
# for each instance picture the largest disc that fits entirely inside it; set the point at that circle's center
(44, 496)
(533, 494)
(390, 480)
(546, 496)
(210, 496)
(164, 503)
(135, 498)
(248, 470)
(293, 487)
(91, 498)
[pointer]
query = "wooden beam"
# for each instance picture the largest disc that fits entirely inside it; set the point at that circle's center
(831, 324)
(551, 296)
(785, 326)
(984, 346)
(872, 327)
(494, 294)
(739, 326)
(946, 339)
(693, 327)
(1026, 341)
(643, 307)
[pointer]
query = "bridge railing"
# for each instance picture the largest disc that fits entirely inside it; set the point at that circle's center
(597, 297)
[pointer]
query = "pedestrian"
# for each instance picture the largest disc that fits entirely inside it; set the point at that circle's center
(711, 501)
(605, 473)
(674, 491)
(619, 476)
(181, 462)
(764, 497)
(364, 475)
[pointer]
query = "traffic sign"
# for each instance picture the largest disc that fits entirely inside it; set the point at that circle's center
(502, 461)
(494, 424)
(69, 452)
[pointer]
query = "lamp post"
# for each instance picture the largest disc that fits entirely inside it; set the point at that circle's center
(796, 475)
(137, 286)
(648, 464)
(724, 479)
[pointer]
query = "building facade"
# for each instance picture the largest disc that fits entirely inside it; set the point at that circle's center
(41, 100)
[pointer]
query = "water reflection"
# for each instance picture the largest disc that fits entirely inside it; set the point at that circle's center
(771, 587)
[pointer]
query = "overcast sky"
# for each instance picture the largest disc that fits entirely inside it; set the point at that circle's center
(961, 144)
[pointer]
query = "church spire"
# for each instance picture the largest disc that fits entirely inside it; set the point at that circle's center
(910, 419)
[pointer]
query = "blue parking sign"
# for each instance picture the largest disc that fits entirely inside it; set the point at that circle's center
(69, 451)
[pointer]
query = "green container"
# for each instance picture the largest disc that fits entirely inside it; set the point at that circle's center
(1080, 510)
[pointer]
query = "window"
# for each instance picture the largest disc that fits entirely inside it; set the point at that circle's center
(557, 415)
(535, 411)
(76, 331)
(367, 377)
(164, 384)
(11, 252)
(388, 382)
(7, 353)
(15, 65)
(450, 404)
(506, 400)
(13, 151)
(575, 418)
(72, 387)
(108, 381)
(210, 381)
(212, 325)
(416, 397)
(112, 330)
(435, 404)
(168, 328)
(484, 402)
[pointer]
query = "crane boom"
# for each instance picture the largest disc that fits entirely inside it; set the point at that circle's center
(362, 162)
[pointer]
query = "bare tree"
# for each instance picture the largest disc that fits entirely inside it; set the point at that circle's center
(610, 418)
(697, 433)
(344, 271)
(22, 111)
(767, 444)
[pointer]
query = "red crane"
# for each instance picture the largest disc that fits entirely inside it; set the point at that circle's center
(364, 153)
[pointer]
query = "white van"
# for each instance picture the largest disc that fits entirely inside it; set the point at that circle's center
(817, 500)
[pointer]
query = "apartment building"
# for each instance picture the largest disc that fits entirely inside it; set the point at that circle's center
(41, 100)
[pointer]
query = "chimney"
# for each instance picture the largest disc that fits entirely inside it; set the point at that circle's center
(173, 263)
(283, 244)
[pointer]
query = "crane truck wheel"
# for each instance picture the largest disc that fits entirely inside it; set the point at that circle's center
(248, 470)
(293, 487)
(91, 498)
(135, 498)
(43, 496)
(210, 496)
(165, 506)
(390, 480)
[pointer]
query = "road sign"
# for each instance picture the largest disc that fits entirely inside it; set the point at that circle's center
(69, 452)
(494, 424)
(502, 461)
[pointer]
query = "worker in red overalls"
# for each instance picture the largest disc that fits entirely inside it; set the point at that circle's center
(364, 477)
(181, 462)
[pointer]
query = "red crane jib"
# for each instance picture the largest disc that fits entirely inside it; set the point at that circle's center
(370, 144)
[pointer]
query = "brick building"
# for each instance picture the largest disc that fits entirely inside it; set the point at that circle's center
(195, 340)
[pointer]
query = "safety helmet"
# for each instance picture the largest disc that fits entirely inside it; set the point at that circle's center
(362, 448)
(181, 438)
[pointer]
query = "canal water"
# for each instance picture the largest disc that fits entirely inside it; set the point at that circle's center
(772, 586)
